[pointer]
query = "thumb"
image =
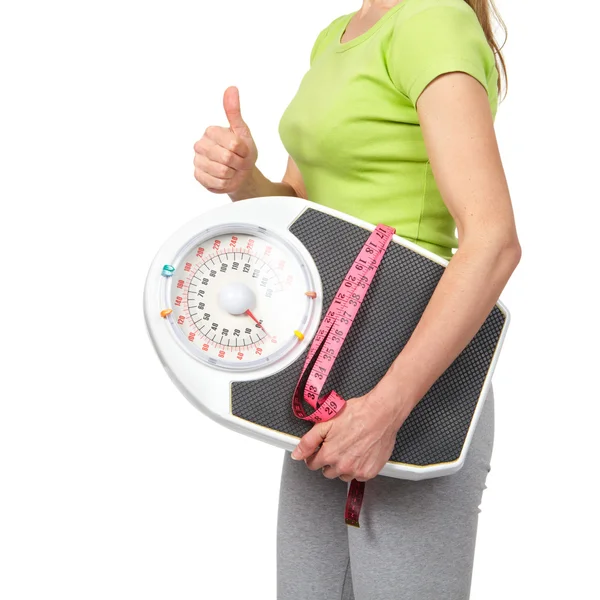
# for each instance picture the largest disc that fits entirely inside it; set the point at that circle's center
(231, 104)
(310, 441)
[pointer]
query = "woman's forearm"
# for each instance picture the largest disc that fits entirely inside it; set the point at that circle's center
(465, 295)
(258, 185)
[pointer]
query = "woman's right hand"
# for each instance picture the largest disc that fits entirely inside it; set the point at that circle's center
(224, 157)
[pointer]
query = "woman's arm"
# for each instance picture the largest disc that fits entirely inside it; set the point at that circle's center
(458, 130)
(258, 185)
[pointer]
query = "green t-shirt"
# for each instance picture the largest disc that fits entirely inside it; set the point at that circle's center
(352, 127)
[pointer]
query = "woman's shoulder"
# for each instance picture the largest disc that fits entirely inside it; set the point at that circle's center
(333, 24)
(414, 7)
(437, 20)
(323, 36)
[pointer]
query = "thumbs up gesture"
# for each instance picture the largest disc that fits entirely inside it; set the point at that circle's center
(224, 157)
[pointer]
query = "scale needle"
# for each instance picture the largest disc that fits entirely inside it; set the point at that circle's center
(249, 313)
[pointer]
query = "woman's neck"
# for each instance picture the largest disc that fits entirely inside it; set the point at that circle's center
(377, 5)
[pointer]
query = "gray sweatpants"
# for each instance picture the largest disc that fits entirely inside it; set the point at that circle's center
(416, 539)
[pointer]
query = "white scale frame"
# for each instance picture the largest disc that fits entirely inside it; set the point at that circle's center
(208, 387)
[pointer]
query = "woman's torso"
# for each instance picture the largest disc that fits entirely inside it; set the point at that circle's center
(356, 137)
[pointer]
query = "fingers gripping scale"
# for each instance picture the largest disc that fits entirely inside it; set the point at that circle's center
(233, 302)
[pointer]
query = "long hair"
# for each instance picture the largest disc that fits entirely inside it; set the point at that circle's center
(486, 12)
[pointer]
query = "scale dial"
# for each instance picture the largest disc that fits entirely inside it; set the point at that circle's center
(241, 297)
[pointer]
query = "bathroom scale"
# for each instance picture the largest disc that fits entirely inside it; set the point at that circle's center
(235, 298)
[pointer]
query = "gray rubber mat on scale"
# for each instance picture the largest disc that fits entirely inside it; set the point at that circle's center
(435, 430)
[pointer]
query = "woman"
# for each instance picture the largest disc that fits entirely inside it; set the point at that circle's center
(392, 123)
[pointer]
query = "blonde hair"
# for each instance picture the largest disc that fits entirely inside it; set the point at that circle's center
(486, 12)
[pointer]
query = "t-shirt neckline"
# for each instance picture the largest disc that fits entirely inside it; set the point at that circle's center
(341, 47)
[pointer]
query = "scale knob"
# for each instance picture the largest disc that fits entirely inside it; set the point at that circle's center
(236, 298)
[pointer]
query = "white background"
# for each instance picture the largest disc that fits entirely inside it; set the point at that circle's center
(111, 484)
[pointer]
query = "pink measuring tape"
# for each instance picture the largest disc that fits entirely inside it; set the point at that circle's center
(328, 341)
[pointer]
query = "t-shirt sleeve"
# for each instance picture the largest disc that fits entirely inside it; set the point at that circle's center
(434, 41)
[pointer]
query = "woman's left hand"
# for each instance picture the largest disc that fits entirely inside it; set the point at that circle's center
(358, 441)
